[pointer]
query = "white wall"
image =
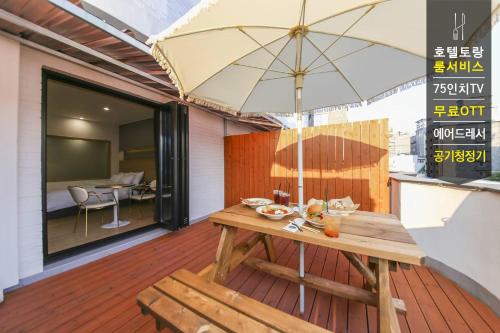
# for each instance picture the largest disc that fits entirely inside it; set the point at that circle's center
(206, 162)
(63, 126)
(206, 151)
(9, 95)
(457, 227)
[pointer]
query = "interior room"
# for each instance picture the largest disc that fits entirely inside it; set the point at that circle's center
(100, 166)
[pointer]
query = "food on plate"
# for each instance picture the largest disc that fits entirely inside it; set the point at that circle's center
(343, 205)
(315, 212)
(275, 210)
(256, 201)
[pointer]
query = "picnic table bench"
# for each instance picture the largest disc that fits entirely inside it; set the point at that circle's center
(186, 302)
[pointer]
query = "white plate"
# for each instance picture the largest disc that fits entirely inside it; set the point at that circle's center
(261, 202)
(313, 223)
(289, 211)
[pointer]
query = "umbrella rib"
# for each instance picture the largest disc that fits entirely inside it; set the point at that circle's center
(264, 47)
(338, 69)
(345, 55)
(342, 35)
(234, 63)
(264, 69)
(373, 42)
(260, 78)
(276, 78)
(374, 3)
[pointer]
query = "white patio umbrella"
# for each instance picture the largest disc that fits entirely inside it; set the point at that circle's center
(292, 56)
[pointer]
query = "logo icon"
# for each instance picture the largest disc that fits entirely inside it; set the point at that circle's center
(458, 28)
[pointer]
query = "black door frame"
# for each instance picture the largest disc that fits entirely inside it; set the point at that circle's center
(181, 193)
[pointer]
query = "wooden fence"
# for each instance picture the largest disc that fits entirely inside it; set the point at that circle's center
(347, 159)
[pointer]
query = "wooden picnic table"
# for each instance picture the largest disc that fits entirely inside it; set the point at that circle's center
(381, 237)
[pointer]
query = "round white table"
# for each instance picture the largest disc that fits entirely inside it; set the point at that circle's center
(116, 223)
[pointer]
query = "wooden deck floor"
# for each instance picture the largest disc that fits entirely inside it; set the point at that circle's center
(101, 296)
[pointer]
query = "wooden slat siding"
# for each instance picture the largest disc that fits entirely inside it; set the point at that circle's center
(316, 153)
(289, 157)
(323, 156)
(356, 163)
(331, 160)
(267, 168)
(227, 171)
(308, 163)
(348, 159)
(384, 167)
(274, 150)
(339, 161)
(348, 150)
(374, 166)
(235, 161)
(365, 166)
(294, 189)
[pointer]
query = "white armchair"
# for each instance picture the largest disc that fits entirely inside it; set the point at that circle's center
(81, 196)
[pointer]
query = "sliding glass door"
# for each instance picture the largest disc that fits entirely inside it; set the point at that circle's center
(113, 165)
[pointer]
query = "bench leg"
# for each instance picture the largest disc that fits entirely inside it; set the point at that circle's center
(386, 313)
(223, 256)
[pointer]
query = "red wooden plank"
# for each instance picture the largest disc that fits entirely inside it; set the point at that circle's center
(473, 319)
(414, 316)
(431, 313)
(320, 311)
(357, 316)
(337, 321)
(101, 296)
(447, 309)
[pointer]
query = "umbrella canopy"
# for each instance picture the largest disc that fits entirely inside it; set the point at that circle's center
(241, 56)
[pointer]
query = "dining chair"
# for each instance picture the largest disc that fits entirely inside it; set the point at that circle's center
(81, 196)
(144, 192)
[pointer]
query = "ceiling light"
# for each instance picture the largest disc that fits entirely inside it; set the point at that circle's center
(81, 118)
(106, 108)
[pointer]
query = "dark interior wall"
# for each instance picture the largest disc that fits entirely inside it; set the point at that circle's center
(69, 159)
(137, 135)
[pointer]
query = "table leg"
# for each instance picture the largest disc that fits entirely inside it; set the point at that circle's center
(269, 246)
(223, 255)
(116, 208)
(116, 223)
(387, 318)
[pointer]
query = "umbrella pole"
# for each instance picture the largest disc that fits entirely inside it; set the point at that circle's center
(299, 83)
(301, 202)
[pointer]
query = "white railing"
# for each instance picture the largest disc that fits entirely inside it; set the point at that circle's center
(457, 226)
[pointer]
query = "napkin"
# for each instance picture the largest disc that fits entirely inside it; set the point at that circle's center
(291, 228)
